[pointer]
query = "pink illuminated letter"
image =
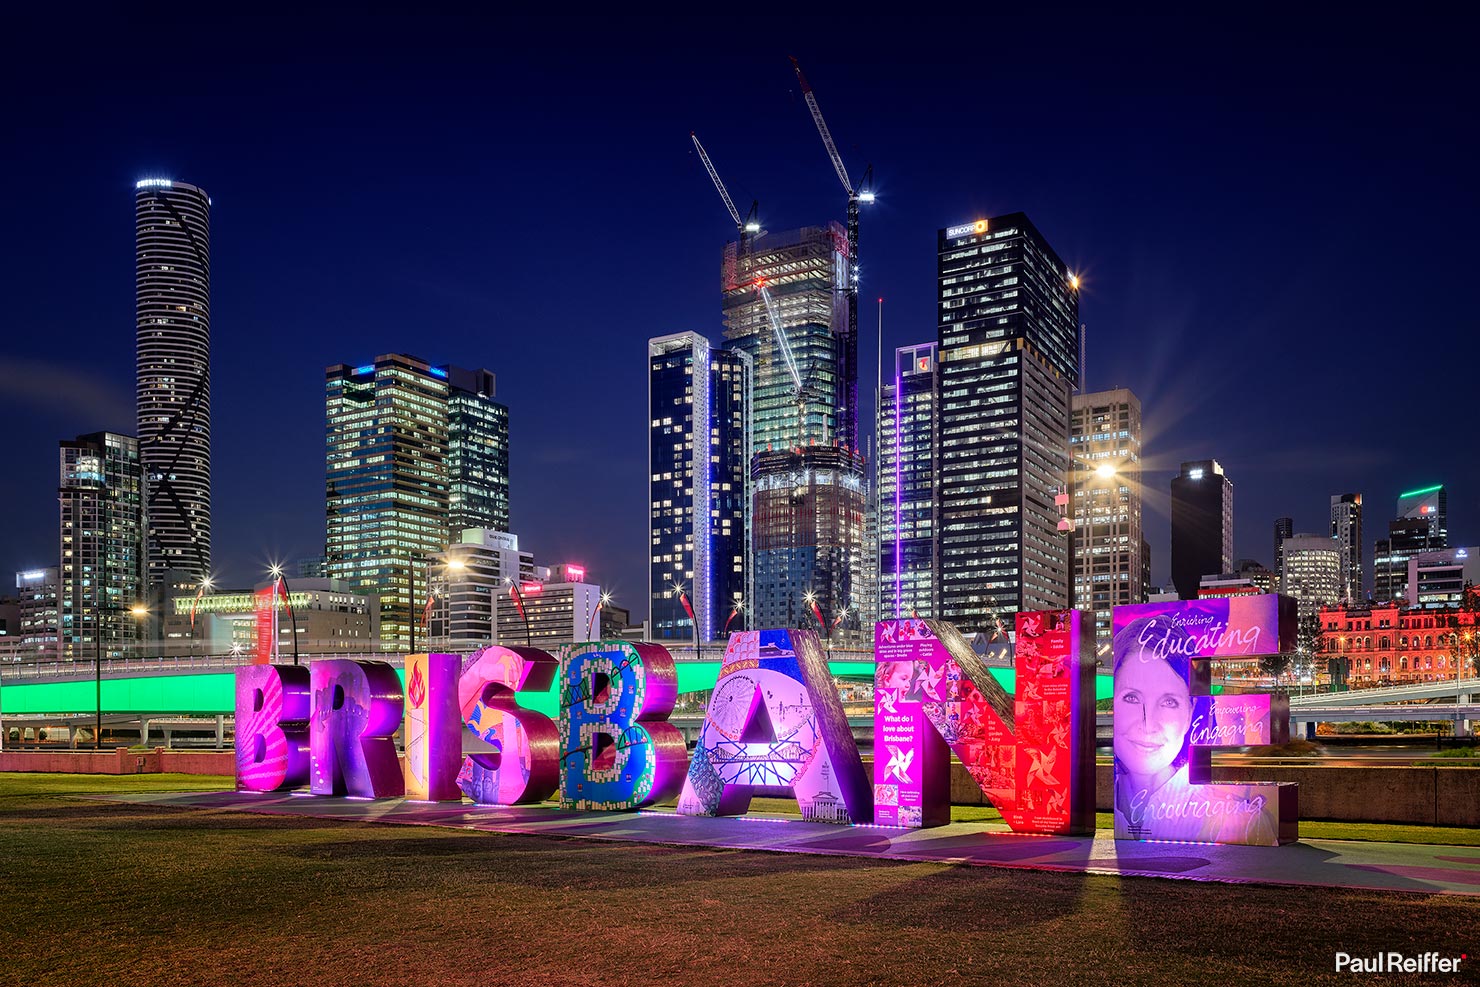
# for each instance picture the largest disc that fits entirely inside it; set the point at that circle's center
(519, 759)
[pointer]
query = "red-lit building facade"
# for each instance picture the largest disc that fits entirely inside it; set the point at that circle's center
(1392, 645)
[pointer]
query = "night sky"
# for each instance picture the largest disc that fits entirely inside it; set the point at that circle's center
(1274, 222)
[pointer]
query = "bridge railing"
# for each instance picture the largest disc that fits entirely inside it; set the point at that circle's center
(1397, 692)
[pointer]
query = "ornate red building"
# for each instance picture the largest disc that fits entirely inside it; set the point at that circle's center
(1393, 645)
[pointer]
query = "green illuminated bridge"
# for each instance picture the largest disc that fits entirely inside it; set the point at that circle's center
(204, 686)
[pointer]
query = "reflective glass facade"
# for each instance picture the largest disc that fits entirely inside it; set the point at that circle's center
(1202, 525)
(907, 467)
(698, 452)
(102, 562)
(1008, 331)
(387, 483)
(1106, 505)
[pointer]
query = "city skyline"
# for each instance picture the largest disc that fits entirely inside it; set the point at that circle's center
(1135, 293)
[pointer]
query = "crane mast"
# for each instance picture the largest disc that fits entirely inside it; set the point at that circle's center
(848, 397)
(746, 227)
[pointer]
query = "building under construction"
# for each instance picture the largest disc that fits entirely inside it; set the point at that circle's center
(786, 305)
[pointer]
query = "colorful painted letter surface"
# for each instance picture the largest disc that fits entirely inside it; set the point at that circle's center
(1032, 755)
(271, 727)
(775, 722)
(434, 728)
(1167, 724)
(617, 750)
(519, 759)
(357, 708)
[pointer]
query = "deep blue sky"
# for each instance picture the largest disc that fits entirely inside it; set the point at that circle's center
(1275, 221)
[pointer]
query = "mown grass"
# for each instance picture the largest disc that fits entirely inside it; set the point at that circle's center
(121, 894)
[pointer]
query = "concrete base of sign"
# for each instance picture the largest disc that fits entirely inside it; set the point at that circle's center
(1326, 863)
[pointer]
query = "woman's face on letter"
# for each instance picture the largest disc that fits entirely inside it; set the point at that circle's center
(1152, 712)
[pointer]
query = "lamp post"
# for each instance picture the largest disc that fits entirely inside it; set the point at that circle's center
(200, 591)
(519, 599)
(688, 608)
(281, 580)
(449, 567)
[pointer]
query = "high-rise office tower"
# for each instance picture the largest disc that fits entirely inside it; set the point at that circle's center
(804, 273)
(1284, 527)
(467, 579)
(102, 545)
(402, 436)
(698, 461)
(1106, 505)
(1346, 528)
(1008, 311)
(477, 453)
(172, 277)
(1312, 572)
(1422, 525)
(1202, 524)
(36, 592)
(907, 466)
(786, 307)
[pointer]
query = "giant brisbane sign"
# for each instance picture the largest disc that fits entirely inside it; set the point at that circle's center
(1167, 723)
(775, 726)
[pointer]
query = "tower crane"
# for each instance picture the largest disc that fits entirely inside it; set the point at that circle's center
(747, 227)
(848, 410)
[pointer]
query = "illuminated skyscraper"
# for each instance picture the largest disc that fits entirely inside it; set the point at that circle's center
(1106, 505)
(698, 461)
(806, 474)
(907, 468)
(413, 451)
(477, 453)
(1346, 528)
(1008, 311)
(1312, 572)
(1422, 525)
(172, 264)
(102, 544)
(1202, 525)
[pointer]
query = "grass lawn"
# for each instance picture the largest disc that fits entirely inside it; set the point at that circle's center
(99, 893)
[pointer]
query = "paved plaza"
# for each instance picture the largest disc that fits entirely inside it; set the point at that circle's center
(1426, 869)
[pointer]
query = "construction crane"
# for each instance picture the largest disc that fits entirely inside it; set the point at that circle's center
(743, 226)
(748, 227)
(848, 410)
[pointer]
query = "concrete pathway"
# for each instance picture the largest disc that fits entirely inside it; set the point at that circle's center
(1423, 869)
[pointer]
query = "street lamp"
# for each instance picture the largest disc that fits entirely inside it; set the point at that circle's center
(683, 599)
(601, 605)
(277, 574)
(519, 599)
(200, 591)
(450, 566)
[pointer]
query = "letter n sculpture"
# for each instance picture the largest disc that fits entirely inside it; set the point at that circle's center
(1031, 754)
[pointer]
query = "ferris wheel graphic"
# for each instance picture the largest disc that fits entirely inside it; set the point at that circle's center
(774, 756)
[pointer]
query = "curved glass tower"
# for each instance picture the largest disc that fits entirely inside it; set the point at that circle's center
(172, 224)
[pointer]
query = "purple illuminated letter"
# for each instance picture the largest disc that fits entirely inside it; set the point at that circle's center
(357, 707)
(520, 757)
(1167, 724)
(775, 722)
(271, 727)
(617, 749)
